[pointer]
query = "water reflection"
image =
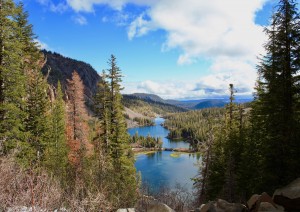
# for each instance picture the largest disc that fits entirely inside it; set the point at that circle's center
(164, 168)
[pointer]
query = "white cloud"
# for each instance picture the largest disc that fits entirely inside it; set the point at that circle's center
(87, 5)
(208, 28)
(214, 85)
(224, 32)
(79, 19)
(42, 45)
(57, 8)
(139, 27)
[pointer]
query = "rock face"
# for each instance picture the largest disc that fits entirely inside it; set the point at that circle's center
(158, 207)
(61, 69)
(266, 206)
(126, 210)
(289, 196)
(223, 206)
(262, 202)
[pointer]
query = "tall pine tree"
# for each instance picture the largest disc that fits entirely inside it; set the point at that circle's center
(56, 147)
(12, 78)
(109, 110)
(277, 104)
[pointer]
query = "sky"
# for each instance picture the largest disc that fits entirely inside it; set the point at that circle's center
(177, 49)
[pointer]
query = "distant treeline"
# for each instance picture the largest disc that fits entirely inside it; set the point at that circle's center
(147, 142)
(193, 125)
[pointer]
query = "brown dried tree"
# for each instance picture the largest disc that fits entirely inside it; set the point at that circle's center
(77, 129)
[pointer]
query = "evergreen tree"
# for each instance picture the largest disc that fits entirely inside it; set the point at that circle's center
(278, 97)
(37, 108)
(56, 151)
(125, 183)
(12, 79)
(102, 109)
(102, 138)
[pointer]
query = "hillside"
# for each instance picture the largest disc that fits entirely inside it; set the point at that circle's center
(149, 107)
(138, 107)
(146, 96)
(61, 69)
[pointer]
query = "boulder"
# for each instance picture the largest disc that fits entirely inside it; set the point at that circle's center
(158, 207)
(225, 206)
(222, 206)
(254, 202)
(126, 210)
(208, 207)
(266, 206)
(289, 196)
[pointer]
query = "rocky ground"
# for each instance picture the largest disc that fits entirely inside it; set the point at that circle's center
(283, 199)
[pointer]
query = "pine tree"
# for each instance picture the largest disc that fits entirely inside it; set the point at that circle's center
(102, 138)
(102, 109)
(12, 79)
(56, 147)
(123, 162)
(37, 108)
(278, 97)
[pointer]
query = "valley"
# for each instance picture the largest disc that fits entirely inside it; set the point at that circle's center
(180, 106)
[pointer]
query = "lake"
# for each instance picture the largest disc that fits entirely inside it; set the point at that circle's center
(160, 168)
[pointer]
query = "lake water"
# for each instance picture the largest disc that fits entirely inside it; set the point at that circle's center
(160, 168)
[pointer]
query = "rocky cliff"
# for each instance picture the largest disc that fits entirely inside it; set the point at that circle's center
(61, 69)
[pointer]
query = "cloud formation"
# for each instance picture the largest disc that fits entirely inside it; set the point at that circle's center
(223, 32)
(79, 19)
(57, 8)
(42, 45)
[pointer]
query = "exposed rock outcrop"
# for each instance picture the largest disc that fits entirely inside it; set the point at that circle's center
(262, 202)
(289, 196)
(223, 206)
(158, 207)
(126, 210)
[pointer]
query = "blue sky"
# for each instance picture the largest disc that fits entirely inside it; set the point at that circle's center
(177, 49)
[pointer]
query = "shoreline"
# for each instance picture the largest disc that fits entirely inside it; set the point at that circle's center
(144, 149)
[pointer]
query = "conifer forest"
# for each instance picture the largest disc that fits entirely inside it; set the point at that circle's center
(65, 146)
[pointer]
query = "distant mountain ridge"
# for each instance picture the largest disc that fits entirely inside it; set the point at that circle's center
(146, 96)
(188, 104)
(210, 103)
(61, 69)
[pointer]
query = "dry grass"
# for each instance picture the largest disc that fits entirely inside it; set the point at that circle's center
(20, 187)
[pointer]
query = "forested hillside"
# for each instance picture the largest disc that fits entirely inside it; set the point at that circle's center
(194, 126)
(52, 153)
(149, 107)
(64, 143)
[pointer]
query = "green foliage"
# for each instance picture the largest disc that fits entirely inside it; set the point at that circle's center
(114, 139)
(276, 109)
(147, 142)
(56, 147)
(12, 78)
(36, 122)
(144, 121)
(193, 125)
(260, 152)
